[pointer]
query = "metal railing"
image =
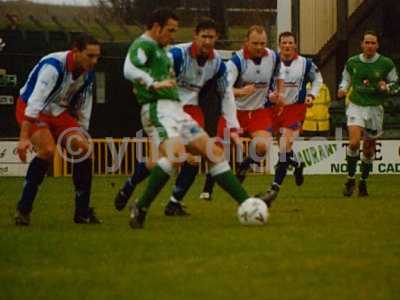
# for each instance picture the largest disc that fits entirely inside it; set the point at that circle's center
(119, 157)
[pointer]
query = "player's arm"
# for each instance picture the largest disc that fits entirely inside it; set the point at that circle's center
(135, 71)
(45, 83)
(176, 54)
(24, 142)
(233, 67)
(228, 101)
(277, 86)
(85, 110)
(316, 82)
(391, 85)
(246, 90)
(344, 84)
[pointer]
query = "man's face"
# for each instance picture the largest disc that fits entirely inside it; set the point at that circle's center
(205, 40)
(88, 57)
(369, 45)
(256, 43)
(287, 46)
(166, 34)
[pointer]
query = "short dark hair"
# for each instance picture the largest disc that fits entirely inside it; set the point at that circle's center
(161, 16)
(205, 23)
(287, 34)
(370, 32)
(84, 39)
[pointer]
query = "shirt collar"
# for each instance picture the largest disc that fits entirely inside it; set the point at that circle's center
(288, 62)
(369, 60)
(70, 62)
(246, 53)
(194, 50)
(72, 67)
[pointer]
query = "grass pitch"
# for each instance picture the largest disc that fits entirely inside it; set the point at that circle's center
(316, 245)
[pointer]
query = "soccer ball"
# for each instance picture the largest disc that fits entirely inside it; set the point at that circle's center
(253, 212)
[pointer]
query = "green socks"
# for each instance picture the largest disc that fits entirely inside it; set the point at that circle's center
(157, 180)
(225, 178)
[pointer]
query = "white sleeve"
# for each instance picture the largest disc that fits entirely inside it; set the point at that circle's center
(392, 76)
(346, 80)
(45, 83)
(393, 82)
(229, 109)
(280, 75)
(133, 73)
(278, 70)
(233, 73)
(316, 80)
(86, 108)
(225, 82)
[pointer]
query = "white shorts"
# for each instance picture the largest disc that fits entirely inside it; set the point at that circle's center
(166, 119)
(368, 117)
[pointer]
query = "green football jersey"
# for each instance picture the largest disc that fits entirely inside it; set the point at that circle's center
(365, 77)
(151, 63)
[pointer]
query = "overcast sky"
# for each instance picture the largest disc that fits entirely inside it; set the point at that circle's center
(66, 2)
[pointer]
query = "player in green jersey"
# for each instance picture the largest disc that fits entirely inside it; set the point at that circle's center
(173, 131)
(372, 78)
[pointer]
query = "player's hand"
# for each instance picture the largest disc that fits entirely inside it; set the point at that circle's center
(2, 44)
(165, 84)
(273, 97)
(23, 146)
(382, 86)
(341, 94)
(235, 138)
(277, 98)
(248, 90)
(309, 101)
(281, 100)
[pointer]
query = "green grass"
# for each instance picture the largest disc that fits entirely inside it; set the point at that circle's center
(317, 245)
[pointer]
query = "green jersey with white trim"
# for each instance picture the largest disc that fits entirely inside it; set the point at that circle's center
(145, 63)
(365, 77)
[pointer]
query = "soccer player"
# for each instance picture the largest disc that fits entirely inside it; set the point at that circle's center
(55, 103)
(288, 115)
(372, 77)
(148, 66)
(194, 64)
(252, 71)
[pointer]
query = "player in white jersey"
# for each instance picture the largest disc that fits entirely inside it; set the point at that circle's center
(196, 63)
(288, 116)
(252, 71)
(55, 106)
